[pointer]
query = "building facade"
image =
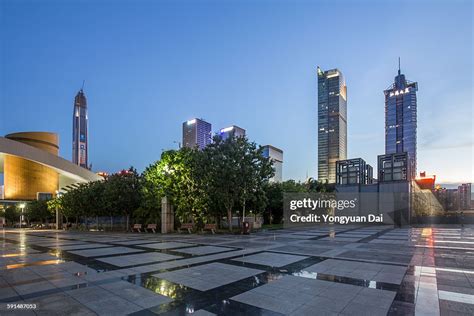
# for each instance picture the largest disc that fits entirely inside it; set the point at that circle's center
(393, 167)
(196, 132)
(231, 131)
(276, 156)
(353, 171)
(464, 193)
(32, 168)
(332, 123)
(401, 119)
(80, 140)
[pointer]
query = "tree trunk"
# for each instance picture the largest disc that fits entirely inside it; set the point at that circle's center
(97, 220)
(128, 222)
(111, 223)
(229, 219)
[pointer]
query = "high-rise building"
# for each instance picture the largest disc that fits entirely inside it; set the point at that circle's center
(400, 119)
(276, 156)
(464, 193)
(196, 132)
(231, 131)
(332, 123)
(80, 142)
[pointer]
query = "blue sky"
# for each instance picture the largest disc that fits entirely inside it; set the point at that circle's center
(150, 65)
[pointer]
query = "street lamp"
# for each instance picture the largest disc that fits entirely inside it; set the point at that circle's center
(22, 207)
(58, 194)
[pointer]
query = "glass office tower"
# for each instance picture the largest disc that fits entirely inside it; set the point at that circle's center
(332, 123)
(276, 156)
(80, 141)
(400, 120)
(196, 132)
(231, 131)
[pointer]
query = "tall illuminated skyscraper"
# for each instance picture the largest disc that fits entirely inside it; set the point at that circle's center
(332, 123)
(400, 120)
(196, 132)
(80, 142)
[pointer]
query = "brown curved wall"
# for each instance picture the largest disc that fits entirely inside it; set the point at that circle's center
(42, 140)
(24, 178)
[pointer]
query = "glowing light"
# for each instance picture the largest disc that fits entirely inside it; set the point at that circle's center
(191, 122)
(37, 263)
(227, 129)
(9, 255)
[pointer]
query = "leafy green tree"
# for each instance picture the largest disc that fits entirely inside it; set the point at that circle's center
(178, 176)
(12, 214)
(37, 211)
(274, 210)
(236, 172)
(122, 193)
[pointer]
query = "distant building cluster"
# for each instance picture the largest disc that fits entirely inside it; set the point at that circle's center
(397, 167)
(399, 161)
(455, 199)
(198, 133)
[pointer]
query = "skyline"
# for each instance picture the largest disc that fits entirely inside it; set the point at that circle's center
(147, 89)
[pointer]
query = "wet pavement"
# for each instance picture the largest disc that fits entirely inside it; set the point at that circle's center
(339, 270)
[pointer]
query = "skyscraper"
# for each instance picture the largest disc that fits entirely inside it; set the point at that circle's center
(196, 132)
(80, 141)
(332, 123)
(231, 131)
(276, 156)
(400, 120)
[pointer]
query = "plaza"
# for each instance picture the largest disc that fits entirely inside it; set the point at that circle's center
(319, 270)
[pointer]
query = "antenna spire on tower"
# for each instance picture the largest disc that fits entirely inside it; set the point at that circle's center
(399, 71)
(83, 82)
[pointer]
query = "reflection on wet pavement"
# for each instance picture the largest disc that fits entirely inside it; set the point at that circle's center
(343, 270)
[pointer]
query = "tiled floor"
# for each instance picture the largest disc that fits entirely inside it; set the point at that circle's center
(341, 270)
(271, 259)
(208, 276)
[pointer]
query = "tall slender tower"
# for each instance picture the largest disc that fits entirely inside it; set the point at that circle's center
(400, 119)
(80, 142)
(332, 123)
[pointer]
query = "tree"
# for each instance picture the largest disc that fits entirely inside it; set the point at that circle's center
(178, 176)
(37, 210)
(236, 172)
(274, 210)
(12, 214)
(122, 193)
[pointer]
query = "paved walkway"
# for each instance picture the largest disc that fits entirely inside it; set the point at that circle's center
(343, 270)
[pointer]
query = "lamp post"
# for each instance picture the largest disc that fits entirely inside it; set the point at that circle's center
(22, 207)
(58, 194)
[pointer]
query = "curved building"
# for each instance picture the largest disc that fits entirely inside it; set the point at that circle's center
(32, 167)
